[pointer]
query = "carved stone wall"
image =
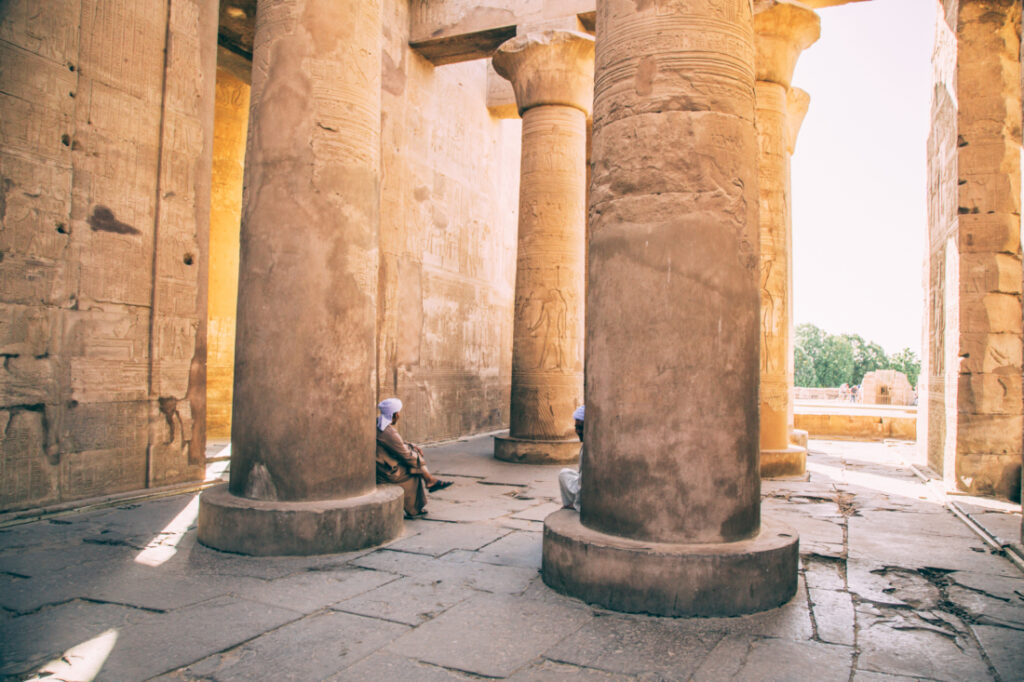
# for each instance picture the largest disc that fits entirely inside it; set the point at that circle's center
(104, 210)
(972, 419)
(230, 125)
(449, 193)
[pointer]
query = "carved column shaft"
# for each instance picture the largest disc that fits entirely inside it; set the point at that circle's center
(547, 337)
(552, 75)
(776, 247)
(670, 514)
(783, 30)
(302, 464)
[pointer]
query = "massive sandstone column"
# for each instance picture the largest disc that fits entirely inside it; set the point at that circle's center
(671, 519)
(552, 73)
(302, 463)
(783, 29)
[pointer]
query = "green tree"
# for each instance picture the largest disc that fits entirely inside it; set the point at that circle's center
(906, 361)
(867, 357)
(834, 366)
(804, 368)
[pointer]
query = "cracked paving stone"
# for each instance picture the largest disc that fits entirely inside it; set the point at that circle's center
(824, 572)
(515, 549)
(538, 513)
(313, 648)
(408, 600)
(551, 671)
(456, 567)
(27, 642)
(753, 659)
(902, 642)
(491, 635)
(386, 666)
(435, 538)
(867, 676)
(833, 616)
(630, 646)
(311, 591)
(1004, 648)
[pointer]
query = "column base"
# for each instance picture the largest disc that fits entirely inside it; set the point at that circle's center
(798, 437)
(791, 461)
(527, 451)
(271, 528)
(713, 579)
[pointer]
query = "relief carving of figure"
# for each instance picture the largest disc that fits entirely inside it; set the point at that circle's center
(551, 327)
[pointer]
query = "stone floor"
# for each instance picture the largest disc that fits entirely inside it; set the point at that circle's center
(893, 586)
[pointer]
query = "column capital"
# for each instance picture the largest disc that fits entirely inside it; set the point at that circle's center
(797, 102)
(549, 67)
(783, 29)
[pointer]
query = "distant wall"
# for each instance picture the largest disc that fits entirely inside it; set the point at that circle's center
(106, 113)
(449, 200)
(230, 126)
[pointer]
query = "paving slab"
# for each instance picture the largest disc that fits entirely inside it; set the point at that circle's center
(30, 641)
(757, 659)
(550, 671)
(436, 538)
(1004, 648)
(491, 635)
(518, 548)
(901, 642)
(456, 567)
(662, 647)
(408, 600)
(311, 591)
(824, 572)
(833, 616)
(313, 648)
(870, 543)
(383, 665)
(538, 512)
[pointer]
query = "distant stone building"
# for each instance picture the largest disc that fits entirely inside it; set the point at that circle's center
(886, 387)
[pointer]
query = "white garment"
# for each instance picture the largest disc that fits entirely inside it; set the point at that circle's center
(569, 485)
(388, 407)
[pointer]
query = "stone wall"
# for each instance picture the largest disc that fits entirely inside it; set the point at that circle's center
(971, 378)
(230, 125)
(448, 237)
(104, 207)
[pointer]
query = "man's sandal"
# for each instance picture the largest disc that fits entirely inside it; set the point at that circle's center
(439, 485)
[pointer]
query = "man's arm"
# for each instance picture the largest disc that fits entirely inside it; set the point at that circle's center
(400, 450)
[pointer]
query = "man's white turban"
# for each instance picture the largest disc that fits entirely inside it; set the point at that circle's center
(578, 414)
(388, 409)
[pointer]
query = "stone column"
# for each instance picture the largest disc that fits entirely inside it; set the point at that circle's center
(552, 73)
(797, 102)
(302, 463)
(670, 520)
(783, 29)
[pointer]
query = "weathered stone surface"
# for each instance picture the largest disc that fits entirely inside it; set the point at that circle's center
(525, 629)
(631, 646)
(833, 616)
(752, 658)
(782, 31)
(973, 266)
(894, 642)
(670, 579)
(339, 639)
(230, 123)
(271, 528)
(423, 599)
(552, 75)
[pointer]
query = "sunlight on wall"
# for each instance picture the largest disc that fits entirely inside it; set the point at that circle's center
(165, 544)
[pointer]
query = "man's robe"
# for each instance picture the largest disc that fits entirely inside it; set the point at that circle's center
(398, 464)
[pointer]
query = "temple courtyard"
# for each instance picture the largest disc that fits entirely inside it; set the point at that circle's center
(894, 584)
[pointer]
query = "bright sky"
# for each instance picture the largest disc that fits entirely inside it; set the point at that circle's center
(859, 172)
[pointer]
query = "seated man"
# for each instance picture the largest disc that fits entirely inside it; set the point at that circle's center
(569, 480)
(402, 463)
